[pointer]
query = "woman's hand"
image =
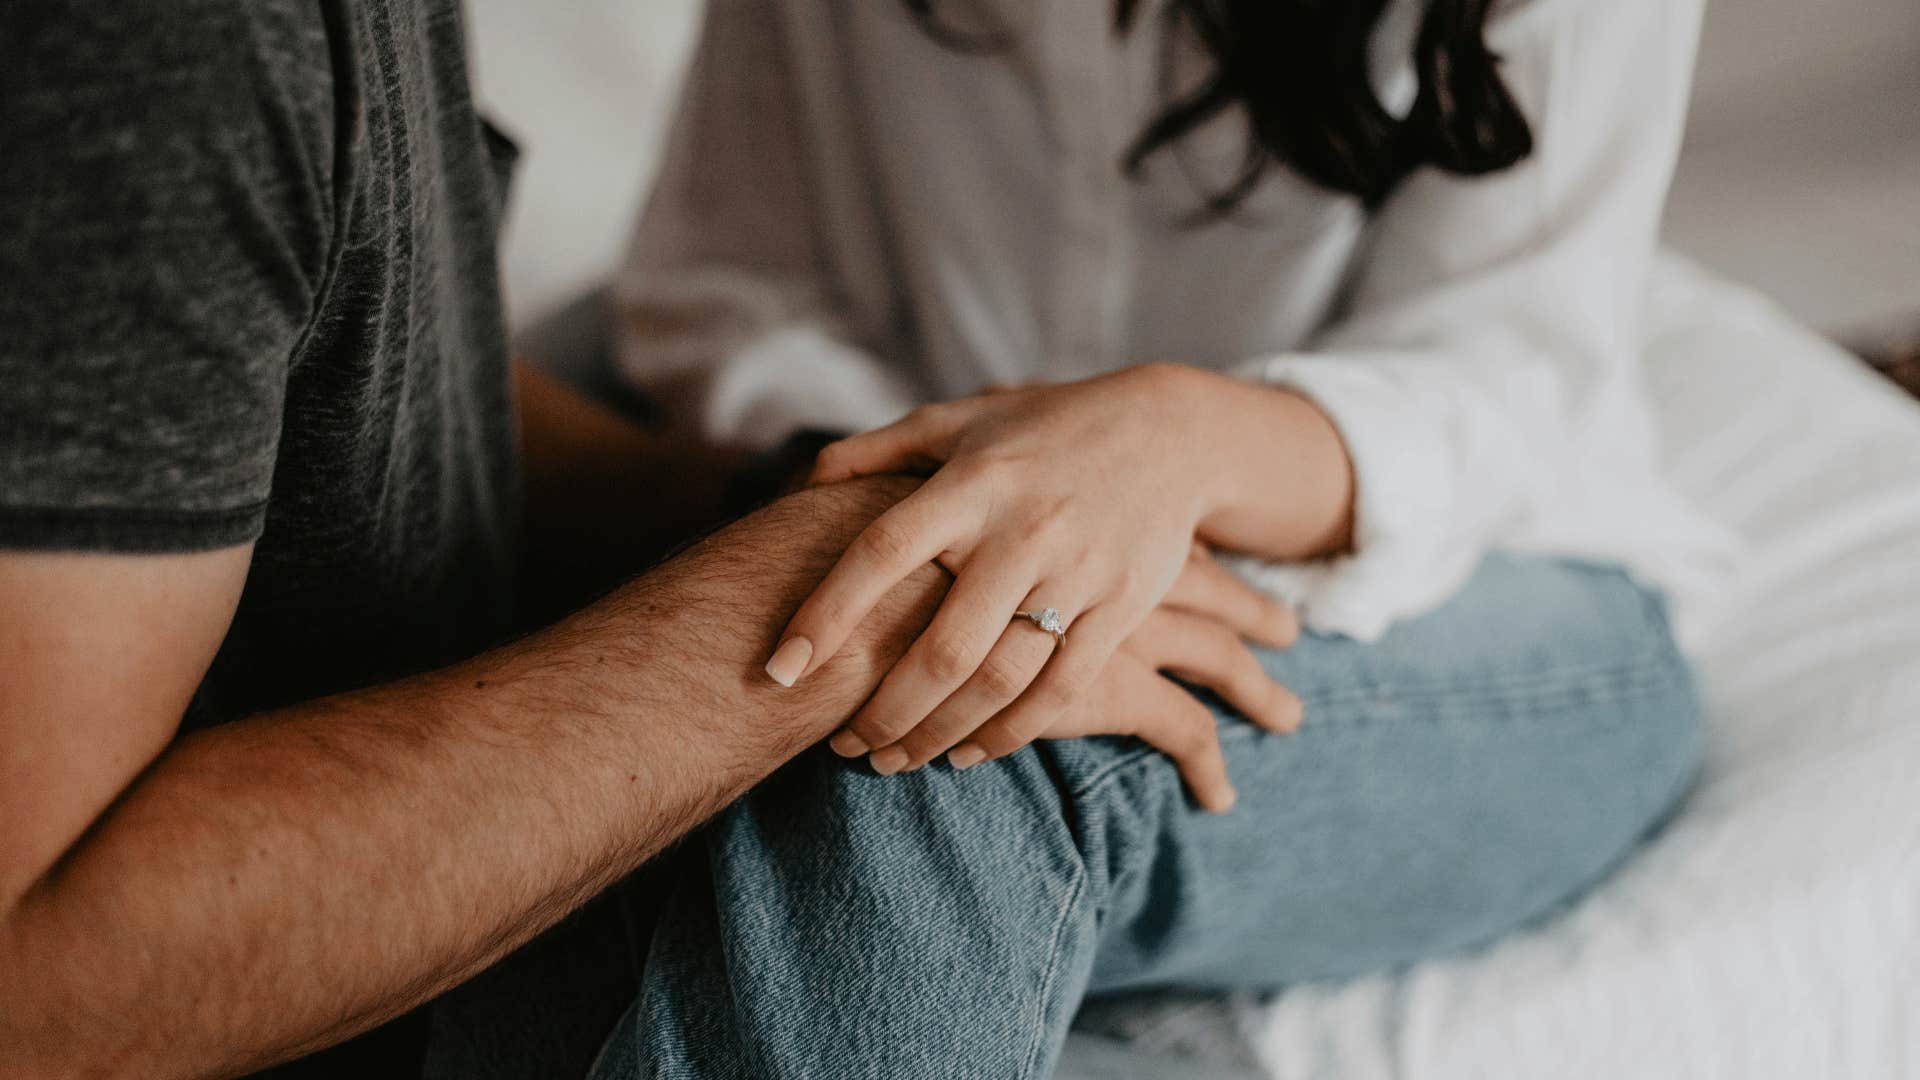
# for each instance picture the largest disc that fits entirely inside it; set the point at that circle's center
(1198, 635)
(1084, 498)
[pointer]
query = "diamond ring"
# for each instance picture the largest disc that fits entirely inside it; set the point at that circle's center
(1047, 619)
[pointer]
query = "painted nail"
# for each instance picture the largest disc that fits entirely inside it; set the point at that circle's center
(889, 761)
(965, 757)
(789, 660)
(848, 745)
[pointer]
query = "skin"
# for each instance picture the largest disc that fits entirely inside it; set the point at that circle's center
(1198, 634)
(1083, 497)
(211, 904)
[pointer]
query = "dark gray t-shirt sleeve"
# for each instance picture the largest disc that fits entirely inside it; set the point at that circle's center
(165, 179)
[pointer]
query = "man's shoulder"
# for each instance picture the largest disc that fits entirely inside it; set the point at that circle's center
(166, 195)
(175, 56)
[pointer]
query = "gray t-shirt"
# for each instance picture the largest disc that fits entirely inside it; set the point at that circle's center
(248, 292)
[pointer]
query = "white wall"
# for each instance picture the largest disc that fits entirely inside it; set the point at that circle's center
(584, 86)
(1802, 168)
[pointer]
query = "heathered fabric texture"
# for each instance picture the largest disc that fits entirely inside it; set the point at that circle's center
(248, 292)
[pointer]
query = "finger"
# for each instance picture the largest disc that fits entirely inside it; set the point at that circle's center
(1091, 641)
(1008, 669)
(983, 598)
(1207, 588)
(1206, 653)
(1059, 594)
(1168, 719)
(913, 441)
(910, 534)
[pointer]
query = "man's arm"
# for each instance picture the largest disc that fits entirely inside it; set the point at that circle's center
(278, 884)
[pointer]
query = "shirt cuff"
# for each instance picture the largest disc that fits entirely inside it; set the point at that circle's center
(1408, 556)
(799, 378)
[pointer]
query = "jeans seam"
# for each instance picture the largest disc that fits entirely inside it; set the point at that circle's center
(1638, 684)
(1051, 969)
(1652, 666)
(1440, 701)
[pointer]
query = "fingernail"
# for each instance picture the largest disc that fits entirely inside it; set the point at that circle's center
(849, 745)
(889, 761)
(1226, 802)
(1282, 716)
(789, 660)
(966, 757)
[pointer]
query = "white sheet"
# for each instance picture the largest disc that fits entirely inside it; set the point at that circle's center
(1774, 929)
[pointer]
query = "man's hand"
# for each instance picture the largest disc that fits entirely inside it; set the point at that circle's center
(274, 885)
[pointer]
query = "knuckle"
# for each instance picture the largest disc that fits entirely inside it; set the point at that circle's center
(1001, 678)
(828, 612)
(833, 457)
(923, 742)
(1222, 644)
(949, 658)
(880, 731)
(1179, 741)
(1197, 735)
(972, 471)
(995, 741)
(1027, 729)
(1019, 730)
(1059, 694)
(1053, 520)
(887, 541)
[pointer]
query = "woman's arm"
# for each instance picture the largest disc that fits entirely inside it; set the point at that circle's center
(1484, 391)
(1485, 379)
(1280, 483)
(731, 317)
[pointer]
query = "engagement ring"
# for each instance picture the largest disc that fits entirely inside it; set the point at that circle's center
(1048, 620)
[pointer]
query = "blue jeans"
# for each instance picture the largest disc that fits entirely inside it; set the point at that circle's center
(1472, 771)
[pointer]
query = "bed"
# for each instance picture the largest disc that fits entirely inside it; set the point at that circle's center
(1773, 930)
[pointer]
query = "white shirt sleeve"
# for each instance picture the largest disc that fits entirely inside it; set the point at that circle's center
(727, 319)
(1484, 376)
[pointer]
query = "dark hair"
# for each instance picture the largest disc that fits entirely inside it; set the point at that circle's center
(1298, 70)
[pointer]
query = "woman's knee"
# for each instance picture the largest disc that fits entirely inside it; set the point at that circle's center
(1520, 630)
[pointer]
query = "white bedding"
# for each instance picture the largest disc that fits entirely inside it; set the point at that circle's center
(1774, 929)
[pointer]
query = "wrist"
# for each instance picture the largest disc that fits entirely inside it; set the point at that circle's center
(1215, 414)
(1274, 478)
(694, 635)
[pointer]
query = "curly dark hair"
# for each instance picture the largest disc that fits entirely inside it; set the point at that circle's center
(1298, 71)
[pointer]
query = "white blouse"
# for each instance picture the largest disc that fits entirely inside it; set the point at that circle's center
(854, 219)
